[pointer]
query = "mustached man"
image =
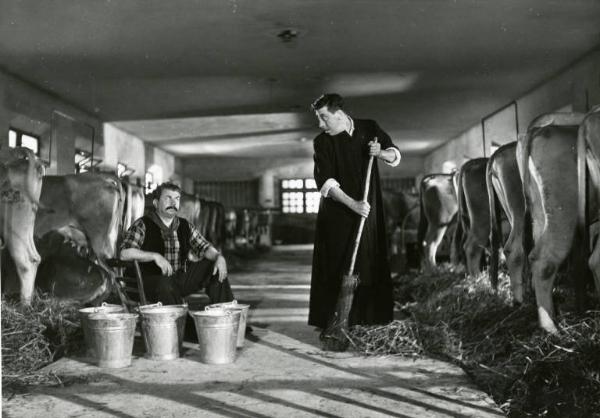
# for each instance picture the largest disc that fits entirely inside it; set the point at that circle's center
(165, 244)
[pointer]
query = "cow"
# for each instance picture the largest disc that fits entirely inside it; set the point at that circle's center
(76, 231)
(547, 158)
(473, 213)
(212, 219)
(20, 187)
(401, 211)
(438, 207)
(189, 208)
(230, 229)
(588, 147)
(505, 192)
(135, 202)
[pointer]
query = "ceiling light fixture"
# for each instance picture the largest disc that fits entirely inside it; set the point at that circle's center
(288, 35)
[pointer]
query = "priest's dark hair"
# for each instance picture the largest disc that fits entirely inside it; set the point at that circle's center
(165, 186)
(333, 101)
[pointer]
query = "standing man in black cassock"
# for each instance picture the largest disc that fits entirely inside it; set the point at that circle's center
(341, 156)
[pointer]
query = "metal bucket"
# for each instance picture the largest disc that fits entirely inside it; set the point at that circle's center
(85, 313)
(112, 334)
(217, 334)
(241, 333)
(163, 328)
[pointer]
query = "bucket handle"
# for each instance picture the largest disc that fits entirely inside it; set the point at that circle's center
(153, 305)
(233, 303)
(227, 311)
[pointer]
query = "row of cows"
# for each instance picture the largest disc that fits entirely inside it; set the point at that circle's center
(61, 231)
(536, 198)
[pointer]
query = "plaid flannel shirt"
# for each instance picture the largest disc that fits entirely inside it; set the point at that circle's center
(134, 238)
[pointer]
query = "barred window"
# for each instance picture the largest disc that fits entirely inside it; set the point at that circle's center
(299, 196)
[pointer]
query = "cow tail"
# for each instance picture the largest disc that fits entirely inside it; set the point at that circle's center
(582, 209)
(457, 240)
(527, 218)
(422, 229)
(495, 227)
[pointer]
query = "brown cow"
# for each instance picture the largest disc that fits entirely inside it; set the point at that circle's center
(548, 166)
(189, 208)
(401, 211)
(230, 229)
(84, 211)
(505, 192)
(589, 154)
(135, 202)
(213, 213)
(438, 207)
(20, 185)
(474, 212)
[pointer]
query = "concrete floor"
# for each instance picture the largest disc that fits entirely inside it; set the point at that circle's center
(280, 372)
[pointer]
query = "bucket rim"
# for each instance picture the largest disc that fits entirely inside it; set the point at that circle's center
(112, 316)
(239, 307)
(215, 313)
(105, 307)
(167, 309)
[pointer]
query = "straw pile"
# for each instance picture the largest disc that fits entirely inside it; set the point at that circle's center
(35, 336)
(398, 338)
(525, 370)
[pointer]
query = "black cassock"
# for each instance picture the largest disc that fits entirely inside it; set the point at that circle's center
(345, 159)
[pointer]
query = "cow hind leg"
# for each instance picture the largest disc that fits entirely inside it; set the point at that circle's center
(544, 268)
(473, 253)
(433, 238)
(514, 261)
(594, 264)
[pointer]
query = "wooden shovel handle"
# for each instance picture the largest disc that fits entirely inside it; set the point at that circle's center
(361, 224)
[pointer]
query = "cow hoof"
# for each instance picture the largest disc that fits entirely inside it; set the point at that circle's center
(546, 321)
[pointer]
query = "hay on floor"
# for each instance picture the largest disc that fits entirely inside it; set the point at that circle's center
(35, 336)
(527, 372)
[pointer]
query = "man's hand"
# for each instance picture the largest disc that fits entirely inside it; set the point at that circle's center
(374, 149)
(163, 264)
(221, 268)
(362, 208)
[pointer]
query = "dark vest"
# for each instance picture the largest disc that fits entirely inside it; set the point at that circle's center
(153, 242)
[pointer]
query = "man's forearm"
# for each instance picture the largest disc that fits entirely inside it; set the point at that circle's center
(135, 254)
(337, 194)
(212, 253)
(387, 155)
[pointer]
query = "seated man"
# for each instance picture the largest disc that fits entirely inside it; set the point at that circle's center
(162, 243)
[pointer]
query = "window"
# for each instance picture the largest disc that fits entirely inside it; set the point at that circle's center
(299, 196)
(18, 138)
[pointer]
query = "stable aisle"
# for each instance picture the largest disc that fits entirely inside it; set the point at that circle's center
(280, 372)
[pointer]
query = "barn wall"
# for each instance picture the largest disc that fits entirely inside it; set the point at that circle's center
(125, 148)
(452, 154)
(61, 126)
(577, 88)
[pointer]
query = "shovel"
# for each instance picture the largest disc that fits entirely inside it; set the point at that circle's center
(334, 337)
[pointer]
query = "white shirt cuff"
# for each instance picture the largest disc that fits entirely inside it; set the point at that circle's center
(396, 160)
(329, 183)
